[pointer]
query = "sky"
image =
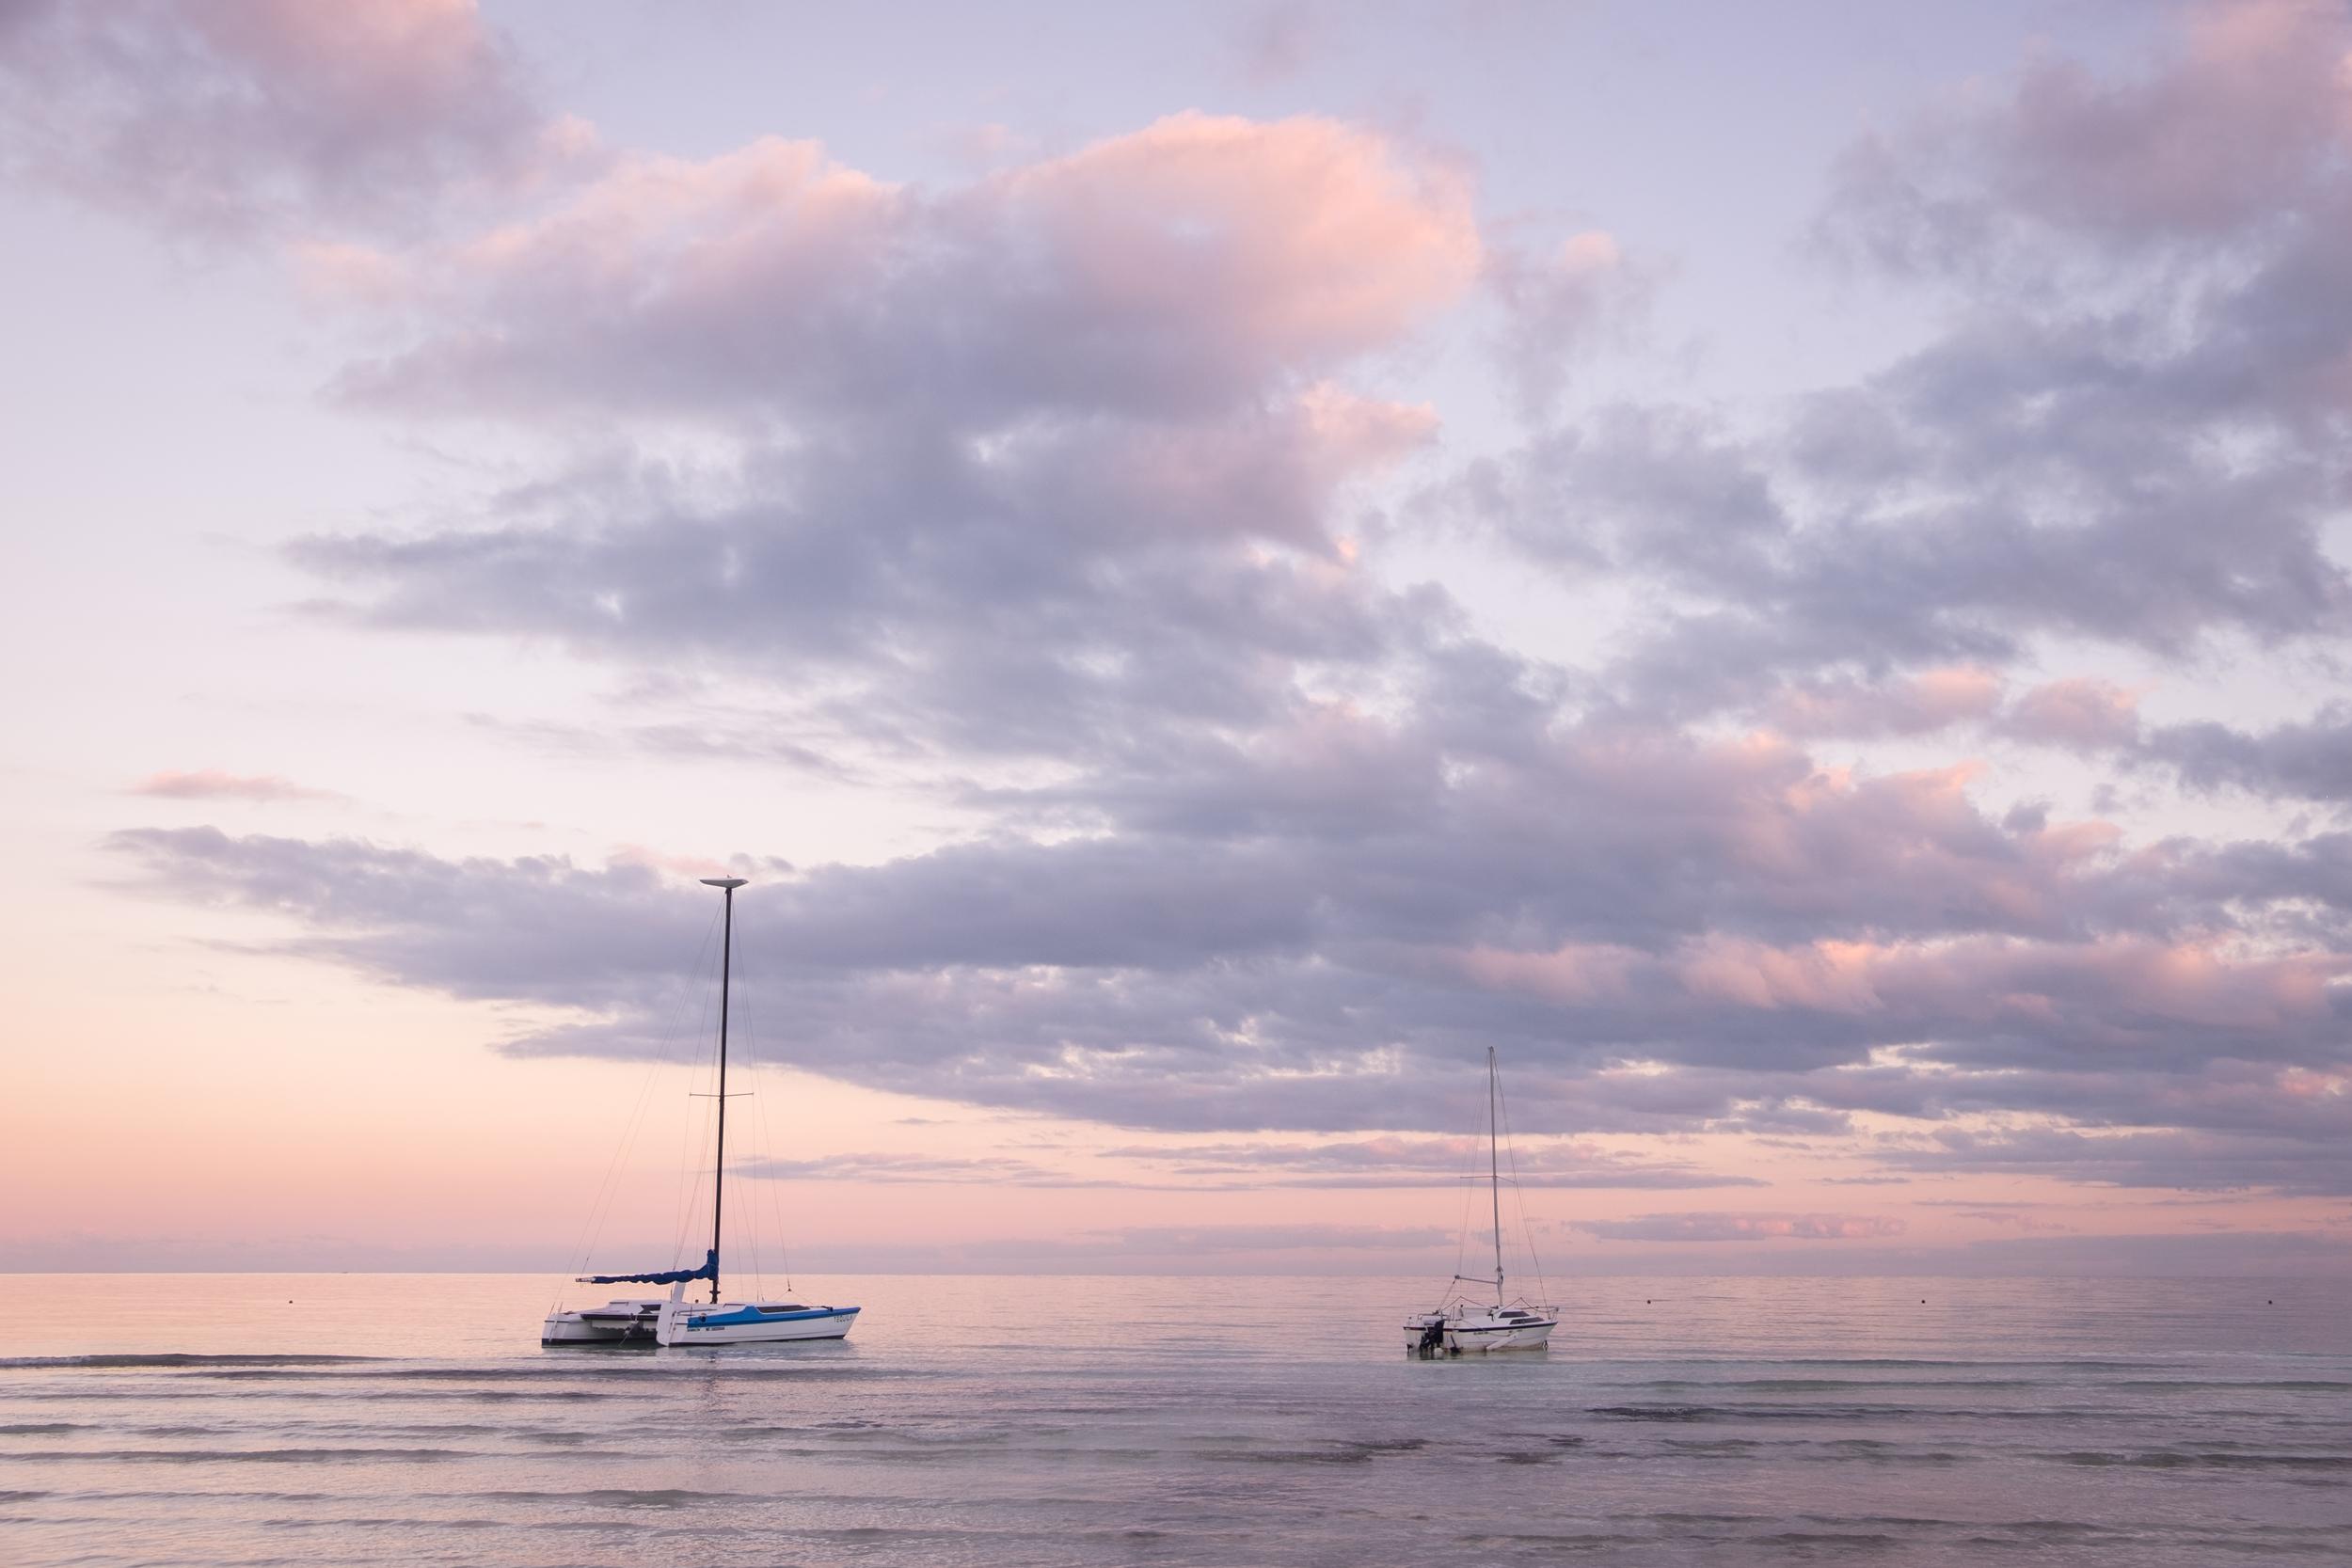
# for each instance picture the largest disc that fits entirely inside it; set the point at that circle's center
(1783, 568)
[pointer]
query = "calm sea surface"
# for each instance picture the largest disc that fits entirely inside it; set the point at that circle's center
(355, 1418)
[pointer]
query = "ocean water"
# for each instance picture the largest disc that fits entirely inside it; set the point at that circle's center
(354, 1418)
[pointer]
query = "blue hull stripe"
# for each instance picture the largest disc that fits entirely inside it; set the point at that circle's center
(752, 1315)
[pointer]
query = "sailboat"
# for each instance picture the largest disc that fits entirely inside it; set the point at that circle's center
(672, 1319)
(1464, 1324)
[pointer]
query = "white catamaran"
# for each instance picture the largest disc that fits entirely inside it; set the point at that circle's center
(672, 1319)
(1460, 1323)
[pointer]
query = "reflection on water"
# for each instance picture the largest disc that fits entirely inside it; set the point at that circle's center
(402, 1418)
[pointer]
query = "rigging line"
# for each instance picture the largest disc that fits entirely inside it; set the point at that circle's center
(608, 1190)
(689, 1167)
(690, 1190)
(745, 1032)
(754, 1073)
(768, 1072)
(1469, 1195)
(777, 1073)
(1519, 1196)
(690, 1206)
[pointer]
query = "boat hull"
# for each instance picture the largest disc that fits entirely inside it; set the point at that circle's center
(687, 1324)
(1478, 1333)
(618, 1323)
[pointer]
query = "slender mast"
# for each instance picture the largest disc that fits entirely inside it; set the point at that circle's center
(719, 1163)
(1494, 1166)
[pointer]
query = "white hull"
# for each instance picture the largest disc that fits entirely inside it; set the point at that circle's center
(1477, 1333)
(684, 1325)
(1460, 1323)
(616, 1323)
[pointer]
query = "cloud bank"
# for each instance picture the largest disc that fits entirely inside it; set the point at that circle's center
(1065, 490)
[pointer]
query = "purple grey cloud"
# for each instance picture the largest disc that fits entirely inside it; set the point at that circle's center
(1744, 1228)
(209, 784)
(1059, 469)
(221, 117)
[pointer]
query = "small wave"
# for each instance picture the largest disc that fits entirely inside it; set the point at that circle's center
(1356, 1453)
(2065, 1365)
(617, 1496)
(1840, 1385)
(1767, 1412)
(485, 1396)
(41, 1429)
(2173, 1459)
(2298, 1386)
(7, 1497)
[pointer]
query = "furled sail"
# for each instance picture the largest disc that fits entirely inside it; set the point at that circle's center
(709, 1271)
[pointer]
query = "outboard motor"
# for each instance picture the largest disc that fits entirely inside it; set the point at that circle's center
(1432, 1338)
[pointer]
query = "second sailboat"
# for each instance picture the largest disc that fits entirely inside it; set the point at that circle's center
(1461, 1324)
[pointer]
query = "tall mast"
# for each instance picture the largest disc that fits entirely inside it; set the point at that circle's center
(719, 1162)
(1494, 1166)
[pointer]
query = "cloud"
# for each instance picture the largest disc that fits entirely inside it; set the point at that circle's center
(1283, 1238)
(1059, 453)
(1181, 985)
(1920, 703)
(1405, 1162)
(2011, 1219)
(2316, 1163)
(1273, 40)
(894, 1169)
(2310, 761)
(2080, 712)
(1744, 1228)
(1058, 493)
(2235, 125)
(1171, 271)
(227, 117)
(208, 784)
(1557, 304)
(2142, 330)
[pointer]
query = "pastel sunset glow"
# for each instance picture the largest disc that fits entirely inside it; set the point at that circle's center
(1787, 568)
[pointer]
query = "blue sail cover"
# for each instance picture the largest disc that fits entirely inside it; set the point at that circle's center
(676, 1276)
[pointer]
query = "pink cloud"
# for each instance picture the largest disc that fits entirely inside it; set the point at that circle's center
(1918, 704)
(2079, 712)
(226, 114)
(1307, 239)
(656, 860)
(1826, 976)
(1744, 1227)
(2220, 134)
(1559, 302)
(1579, 973)
(1183, 269)
(210, 783)
(2109, 991)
